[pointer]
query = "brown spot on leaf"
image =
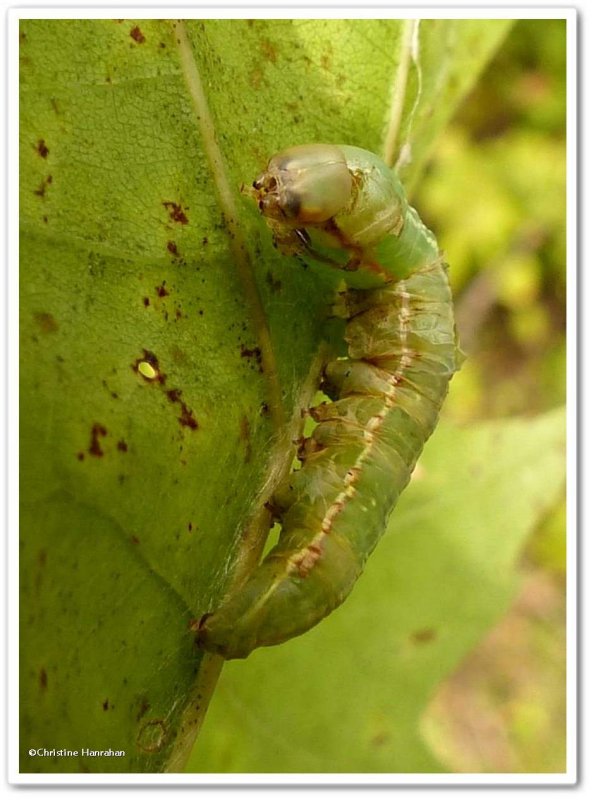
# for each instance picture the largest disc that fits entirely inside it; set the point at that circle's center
(40, 191)
(186, 417)
(172, 248)
(42, 148)
(105, 705)
(423, 636)
(122, 446)
(252, 353)
(275, 284)
(137, 35)
(135, 539)
(46, 322)
(144, 707)
(161, 290)
(146, 301)
(269, 51)
(43, 678)
(98, 431)
(380, 739)
(176, 212)
(112, 393)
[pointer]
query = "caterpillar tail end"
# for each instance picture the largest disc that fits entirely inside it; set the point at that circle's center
(214, 638)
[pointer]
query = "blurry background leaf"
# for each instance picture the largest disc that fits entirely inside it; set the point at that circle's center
(504, 156)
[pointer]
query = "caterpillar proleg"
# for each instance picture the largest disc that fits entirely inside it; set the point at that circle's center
(343, 206)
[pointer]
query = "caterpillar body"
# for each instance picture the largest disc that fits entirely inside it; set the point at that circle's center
(343, 206)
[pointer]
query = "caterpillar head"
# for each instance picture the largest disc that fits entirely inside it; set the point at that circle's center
(304, 185)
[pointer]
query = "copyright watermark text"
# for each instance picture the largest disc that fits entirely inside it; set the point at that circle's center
(87, 752)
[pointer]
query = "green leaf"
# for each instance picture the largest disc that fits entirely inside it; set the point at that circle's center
(349, 695)
(149, 404)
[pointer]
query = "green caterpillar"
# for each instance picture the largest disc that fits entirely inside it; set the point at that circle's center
(342, 205)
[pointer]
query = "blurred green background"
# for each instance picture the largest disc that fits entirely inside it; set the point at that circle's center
(504, 709)
(504, 155)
